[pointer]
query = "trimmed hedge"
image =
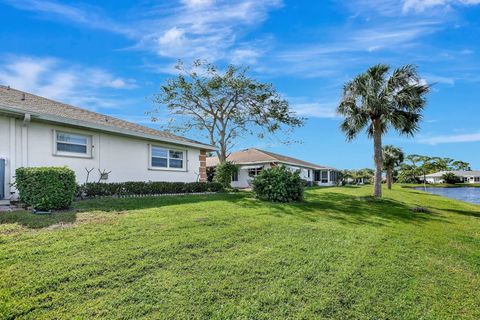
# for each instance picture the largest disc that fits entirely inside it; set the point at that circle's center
(279, 184)
(46, 188)
(131, 188)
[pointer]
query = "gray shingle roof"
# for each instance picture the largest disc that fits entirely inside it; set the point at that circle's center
(253, 155)
(12, 99)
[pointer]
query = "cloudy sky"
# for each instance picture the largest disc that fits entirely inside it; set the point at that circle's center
(112, 57)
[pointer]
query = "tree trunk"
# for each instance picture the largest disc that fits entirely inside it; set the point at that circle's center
(377, 155)
(389, 178)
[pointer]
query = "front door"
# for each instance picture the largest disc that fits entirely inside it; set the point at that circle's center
(2, 179)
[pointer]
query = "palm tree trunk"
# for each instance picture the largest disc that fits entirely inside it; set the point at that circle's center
(377, 156)
(389, 178)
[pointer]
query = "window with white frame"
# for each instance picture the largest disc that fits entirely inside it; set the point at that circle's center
(324, 176)
(167, 158)
(253, 172)
(235, 176)
(67, 143)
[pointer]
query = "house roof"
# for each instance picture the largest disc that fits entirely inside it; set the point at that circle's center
(472, 173)
(14, 101)
(253, 156)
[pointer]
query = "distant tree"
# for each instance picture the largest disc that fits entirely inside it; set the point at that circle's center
(461, 165)
(439, 164)
(377, 100)
(364, 175)
(223, 105)
(392, 158)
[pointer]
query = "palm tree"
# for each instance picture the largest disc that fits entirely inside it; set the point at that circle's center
(392, 158)
(377, 100)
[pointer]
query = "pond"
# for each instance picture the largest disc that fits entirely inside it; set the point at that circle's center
(467, 194)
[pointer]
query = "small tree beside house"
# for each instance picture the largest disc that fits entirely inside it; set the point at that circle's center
(223, 105)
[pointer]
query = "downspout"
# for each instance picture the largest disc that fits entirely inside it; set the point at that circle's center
(26, 122)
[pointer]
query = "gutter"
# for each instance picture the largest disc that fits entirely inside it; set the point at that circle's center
(99, 127)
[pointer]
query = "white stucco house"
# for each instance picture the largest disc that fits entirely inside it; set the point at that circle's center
(472, 176)
(252, 161)
(36, 131)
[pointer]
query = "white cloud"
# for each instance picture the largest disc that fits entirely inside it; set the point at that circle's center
(431, 78)
(205, 29)
(186, 29)
(392, 8)
(423, 5)
(315, 110)
(349, 48)
(197, 3)
(459, 138)
(55, 79)
(91, 17)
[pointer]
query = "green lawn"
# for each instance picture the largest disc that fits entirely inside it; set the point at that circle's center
(338, 255)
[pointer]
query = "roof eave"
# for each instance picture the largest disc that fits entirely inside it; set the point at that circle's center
(281, 162)
(99, 127)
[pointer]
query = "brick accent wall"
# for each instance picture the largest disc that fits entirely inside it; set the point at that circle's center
(203, 165)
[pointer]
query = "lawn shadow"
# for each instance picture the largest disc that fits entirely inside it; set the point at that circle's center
(462, 212)
(350, 209)
(38, 221)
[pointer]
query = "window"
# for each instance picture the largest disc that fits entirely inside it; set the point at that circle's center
(72, 144)
(308, 173)
(324, 176)
(253, 172)
(167, 158)
(477, 179)
(333, 176)
(235, 176)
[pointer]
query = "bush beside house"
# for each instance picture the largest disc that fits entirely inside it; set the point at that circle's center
(279, 184)
(46, 188)
(451, 178)
(224, 172)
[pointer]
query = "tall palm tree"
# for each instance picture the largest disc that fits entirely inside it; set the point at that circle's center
(392, 158)
(377, 101)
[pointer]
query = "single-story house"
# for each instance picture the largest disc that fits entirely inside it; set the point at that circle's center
(252, 161)
(35, 131)
(472, 176)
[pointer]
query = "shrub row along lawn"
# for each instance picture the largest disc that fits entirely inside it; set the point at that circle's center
(338, 255)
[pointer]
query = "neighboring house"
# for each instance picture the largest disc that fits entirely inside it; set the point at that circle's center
(252, 161)
(36, 131)
(466, 176)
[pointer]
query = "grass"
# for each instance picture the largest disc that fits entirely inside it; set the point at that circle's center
(339, 255)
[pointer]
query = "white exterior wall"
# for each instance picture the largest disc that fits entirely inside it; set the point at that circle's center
(465, 178)
(244, 181)
(127, 158)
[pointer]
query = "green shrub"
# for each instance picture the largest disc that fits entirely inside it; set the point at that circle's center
(451, 178)
(146, 188)
(279, 184)
(224, 172)
(46, 188)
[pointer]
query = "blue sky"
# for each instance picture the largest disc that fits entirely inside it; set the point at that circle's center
(112, 56)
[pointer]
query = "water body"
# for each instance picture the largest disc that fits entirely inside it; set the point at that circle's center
(467, 194)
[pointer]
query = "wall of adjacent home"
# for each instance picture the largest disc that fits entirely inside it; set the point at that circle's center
(244, 180)
(127, 158)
